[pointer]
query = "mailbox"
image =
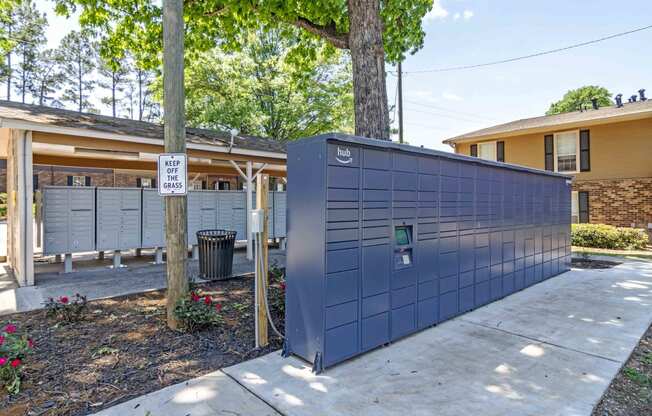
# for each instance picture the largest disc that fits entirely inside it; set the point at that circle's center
(387, 239)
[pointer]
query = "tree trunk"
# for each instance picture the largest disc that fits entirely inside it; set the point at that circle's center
(9, 67)
(113, 82)
(79, 79)
(175, 141)
(368, 59)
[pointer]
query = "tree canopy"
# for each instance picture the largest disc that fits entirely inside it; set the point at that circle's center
(580, 98)
(259, 92)
(372, 30)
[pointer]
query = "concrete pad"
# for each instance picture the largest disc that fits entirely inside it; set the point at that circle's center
(212, 394)
(455, 369)
(549, 350)
(602, 312)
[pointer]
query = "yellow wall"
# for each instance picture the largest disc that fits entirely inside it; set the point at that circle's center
(618, 150)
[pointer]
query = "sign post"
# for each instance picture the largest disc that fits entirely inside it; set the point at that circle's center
(174, 131)
(172, 174)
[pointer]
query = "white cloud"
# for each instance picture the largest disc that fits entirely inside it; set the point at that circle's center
(457, 15)
(467, 14)
(451, 97)
(437, 12)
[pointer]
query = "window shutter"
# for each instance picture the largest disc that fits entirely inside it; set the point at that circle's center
(474, 150)
(139, 183)
(583, 202)
(88, 181)
(153, 182)
(500, 151)
(69, 180)
(585, 154)
(549, 152)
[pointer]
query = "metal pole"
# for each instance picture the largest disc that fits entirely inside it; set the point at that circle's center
(250, 207)
(400, 103)
(176, 231)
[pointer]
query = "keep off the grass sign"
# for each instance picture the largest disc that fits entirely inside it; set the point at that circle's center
(172, 174)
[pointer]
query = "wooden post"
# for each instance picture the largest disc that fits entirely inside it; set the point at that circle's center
(262, 191)
(176, 232)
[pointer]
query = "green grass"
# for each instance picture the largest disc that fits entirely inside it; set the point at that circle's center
(637, 377)
(645, 255)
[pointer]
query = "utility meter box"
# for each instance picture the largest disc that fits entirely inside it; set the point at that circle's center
(387, 239)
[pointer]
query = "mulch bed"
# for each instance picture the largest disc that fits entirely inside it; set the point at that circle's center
(630, 393)
(581, 263)
(123, 349)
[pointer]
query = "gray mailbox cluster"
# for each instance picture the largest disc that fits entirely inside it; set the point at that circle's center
(82, 219)
(388, 239)
(68, 220)
(118, 218)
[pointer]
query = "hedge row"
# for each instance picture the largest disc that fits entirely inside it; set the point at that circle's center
(608, 236)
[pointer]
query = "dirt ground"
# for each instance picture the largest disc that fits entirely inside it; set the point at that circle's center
(630, 393)
(123, 349)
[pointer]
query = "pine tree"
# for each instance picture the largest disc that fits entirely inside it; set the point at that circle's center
(8, 10)
(48, 78)
(114, 78)
(30, 38)
(79, 55)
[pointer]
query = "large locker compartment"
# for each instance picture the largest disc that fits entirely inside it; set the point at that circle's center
(203, 209)
(153, 219)
(387, 239)
(68, 219)
(118, 218)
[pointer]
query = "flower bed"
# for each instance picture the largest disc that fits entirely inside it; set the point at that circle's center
(121, 349)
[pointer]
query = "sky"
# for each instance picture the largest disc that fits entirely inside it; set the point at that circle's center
(439, 105)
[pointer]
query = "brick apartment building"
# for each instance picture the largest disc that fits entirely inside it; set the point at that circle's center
(607, 150)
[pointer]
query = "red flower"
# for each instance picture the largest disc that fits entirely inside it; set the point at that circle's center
(30, 343)
(63, 299)
(2, 340)
(194, 297)
(218, 307)
(10, 328)
(207, 300)
(15, 363)
(3, 361)
(283, 286)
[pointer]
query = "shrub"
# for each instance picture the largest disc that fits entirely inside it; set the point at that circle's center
(196, 312)
(13, 351)
(607, 236)
(65, 309)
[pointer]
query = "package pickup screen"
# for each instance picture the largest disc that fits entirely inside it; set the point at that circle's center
(172, 174)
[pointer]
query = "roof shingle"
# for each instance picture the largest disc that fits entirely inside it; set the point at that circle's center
(121, 126)
(605, 114)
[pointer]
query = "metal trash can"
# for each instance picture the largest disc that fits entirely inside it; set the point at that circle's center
(215, 253)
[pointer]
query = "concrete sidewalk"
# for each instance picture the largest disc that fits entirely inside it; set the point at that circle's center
(549, 350)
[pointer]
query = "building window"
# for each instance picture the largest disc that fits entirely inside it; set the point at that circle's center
(145, 183)
(575, 207)
(487, 151)
(566, 145)
(224, 186)
(79, 180)
(196, 185)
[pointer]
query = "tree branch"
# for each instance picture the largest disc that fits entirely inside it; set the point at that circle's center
(328, 32)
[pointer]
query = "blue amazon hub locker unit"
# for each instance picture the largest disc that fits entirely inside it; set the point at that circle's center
(386, 239)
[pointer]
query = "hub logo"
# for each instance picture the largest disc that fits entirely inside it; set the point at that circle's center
(344, 155)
